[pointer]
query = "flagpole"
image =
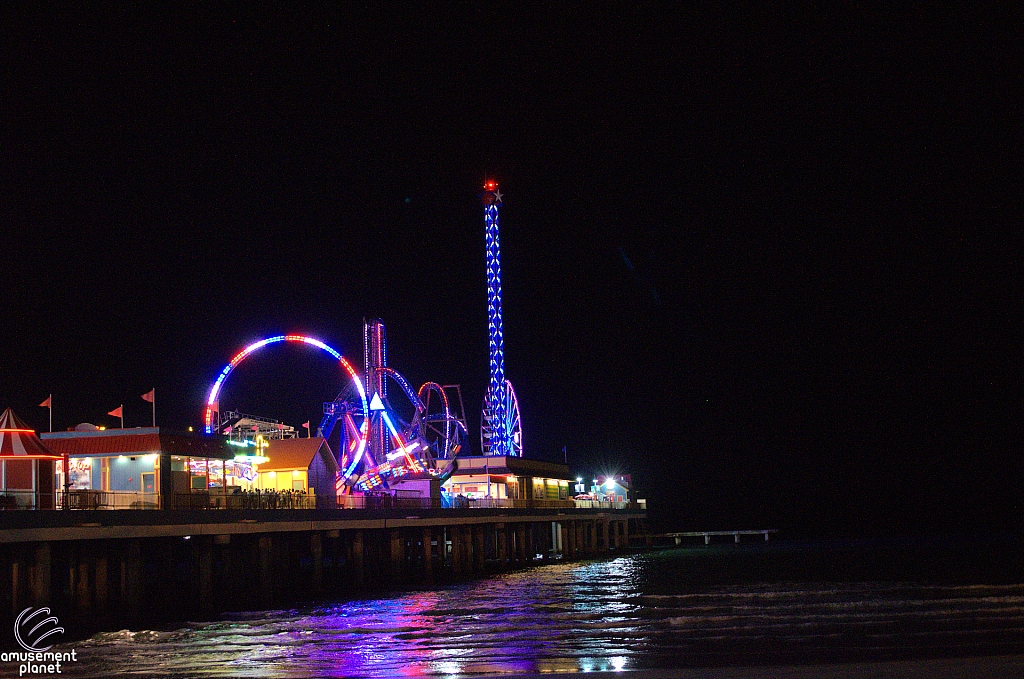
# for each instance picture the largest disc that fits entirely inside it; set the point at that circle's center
(51, 412)
(154, 407)
(67, 481)
(122, 415)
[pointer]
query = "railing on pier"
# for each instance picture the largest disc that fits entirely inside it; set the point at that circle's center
(26, 499)
(214, 498)
(79, 499)
(600, 504)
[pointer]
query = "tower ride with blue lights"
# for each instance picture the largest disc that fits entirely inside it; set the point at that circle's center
(500, 426)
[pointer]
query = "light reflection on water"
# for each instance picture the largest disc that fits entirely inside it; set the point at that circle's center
(583, 617)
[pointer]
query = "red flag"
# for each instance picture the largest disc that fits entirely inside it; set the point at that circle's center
(117, 412)
(46, 403)
(150, 395)
(306, 424)
(255, 427)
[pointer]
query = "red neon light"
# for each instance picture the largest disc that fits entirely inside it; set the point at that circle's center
(19, 431)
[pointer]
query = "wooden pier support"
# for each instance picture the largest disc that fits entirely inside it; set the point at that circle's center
(428, 552)
(41, 574)
(396, 553)
(205, 570)
(358, 550)
(316, 553)
(131, 579)
(80, 578)
(101, 574)
(501, 538)
(454, 534)
(466, 537)
(520, 544)
(265, 567)
(478, 549)
(15, 582)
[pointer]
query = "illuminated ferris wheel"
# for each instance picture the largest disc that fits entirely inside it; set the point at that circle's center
(501, 431)
(355, 418)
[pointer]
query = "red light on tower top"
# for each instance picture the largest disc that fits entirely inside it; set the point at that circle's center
(491, 195)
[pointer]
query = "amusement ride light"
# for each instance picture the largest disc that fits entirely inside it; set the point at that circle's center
(211, 401)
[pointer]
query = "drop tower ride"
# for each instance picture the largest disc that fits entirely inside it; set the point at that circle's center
(500, 426)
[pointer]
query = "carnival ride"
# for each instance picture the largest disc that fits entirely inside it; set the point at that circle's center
(501, 430)
(380, 440)
(378, 443)
(404, 435)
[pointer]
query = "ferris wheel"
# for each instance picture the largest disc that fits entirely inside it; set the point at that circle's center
(501, 430)
(353, 407)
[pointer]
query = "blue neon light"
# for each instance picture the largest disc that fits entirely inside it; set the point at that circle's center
(497, 424)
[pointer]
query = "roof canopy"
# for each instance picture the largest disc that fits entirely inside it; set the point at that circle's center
(19, 441)
(297, 453)
(140, 441)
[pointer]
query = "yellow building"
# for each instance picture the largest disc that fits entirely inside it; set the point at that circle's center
(305, 465)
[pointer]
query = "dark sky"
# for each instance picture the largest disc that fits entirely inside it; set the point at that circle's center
(767, 263)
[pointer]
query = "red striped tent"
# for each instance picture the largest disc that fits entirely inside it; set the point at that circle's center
(19, 441)
(26, 466)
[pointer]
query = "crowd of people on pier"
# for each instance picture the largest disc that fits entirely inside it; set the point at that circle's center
(272, 499)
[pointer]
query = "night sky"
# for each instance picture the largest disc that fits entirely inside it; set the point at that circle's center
(766, 263)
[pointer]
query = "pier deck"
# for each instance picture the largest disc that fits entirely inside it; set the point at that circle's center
(122, 566)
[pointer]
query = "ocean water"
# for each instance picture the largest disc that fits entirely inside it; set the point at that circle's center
(681, 608)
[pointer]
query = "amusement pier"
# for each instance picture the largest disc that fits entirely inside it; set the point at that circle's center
(388, 490)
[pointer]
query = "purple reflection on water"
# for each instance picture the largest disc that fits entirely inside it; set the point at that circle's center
(523, 622)
(630, 613)
(556, 618)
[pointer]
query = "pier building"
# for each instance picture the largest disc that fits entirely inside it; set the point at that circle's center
(508, 481)
(301, 465)
(142, 468)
